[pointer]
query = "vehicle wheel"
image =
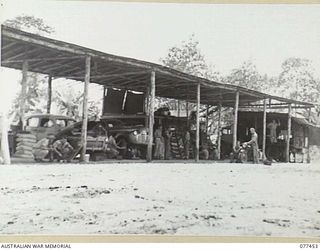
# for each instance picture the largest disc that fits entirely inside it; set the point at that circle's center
(123, 144)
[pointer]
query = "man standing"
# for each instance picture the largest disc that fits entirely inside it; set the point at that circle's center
(273, 130)
(254, 143)
(167, 142)
(159, 144)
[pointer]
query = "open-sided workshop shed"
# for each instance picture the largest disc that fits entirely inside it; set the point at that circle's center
(302, 134)
(29, 52)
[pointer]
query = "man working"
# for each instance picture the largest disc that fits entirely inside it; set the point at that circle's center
(254, 143)
(62, 150)
(42, 148)
(235, 155)
(112, 149)
(187, 144)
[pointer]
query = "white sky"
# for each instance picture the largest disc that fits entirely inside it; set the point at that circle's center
(228, 34)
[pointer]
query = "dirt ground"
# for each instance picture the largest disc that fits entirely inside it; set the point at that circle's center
(216, 199)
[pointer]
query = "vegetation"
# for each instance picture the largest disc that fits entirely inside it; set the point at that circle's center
(36, 91)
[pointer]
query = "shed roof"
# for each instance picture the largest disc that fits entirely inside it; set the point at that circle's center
(66, 60)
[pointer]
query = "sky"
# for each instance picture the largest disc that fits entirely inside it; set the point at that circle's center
(228, 34)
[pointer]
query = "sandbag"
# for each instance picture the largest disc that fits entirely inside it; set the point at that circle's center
(25, 136)
(28, 140)
(23, 147)
(27, 156)
(23, 151)
(28, 144)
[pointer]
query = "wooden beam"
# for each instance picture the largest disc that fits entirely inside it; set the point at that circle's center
(277, 107)
(264, 129)
(49, 94)
(7, 45)
(51, 68)
(197, 124)
(23, 92)
(151, 114)
(178, 108)
(23, 53)
(288, 133)
(219, 132)
(46, 59)
(235, 120)
(71, 69)
(85, 108)
(270, 105)
(107, 76)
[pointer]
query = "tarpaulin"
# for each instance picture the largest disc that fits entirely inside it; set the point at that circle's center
(134, 103)
(314, 135)
(113, 101)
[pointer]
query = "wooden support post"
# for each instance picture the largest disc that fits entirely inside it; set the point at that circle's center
(264, 129)
(147, 106)
(288, 133)
(219, 132)
(49, 94)
(151, 114)
(4, 144)
(85, 107)
(179, 108)
(235, 120)
(187, 111)
(207, 118)
(22, 103)
(308, 133)
(103, 98)
(198, 124)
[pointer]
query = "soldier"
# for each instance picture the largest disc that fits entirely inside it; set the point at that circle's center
(167, 140)
(62, 150)
(42, 148)
(254, 143)
(112, 148)
(159, 144)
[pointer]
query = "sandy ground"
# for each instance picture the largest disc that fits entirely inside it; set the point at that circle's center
(218, 199)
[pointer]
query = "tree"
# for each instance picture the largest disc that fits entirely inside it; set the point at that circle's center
(94, 110)
(69, 103)
(188, 58)
(297, 80)
(36, 88)
(29, 24)
(247, 76)
(35, 98)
